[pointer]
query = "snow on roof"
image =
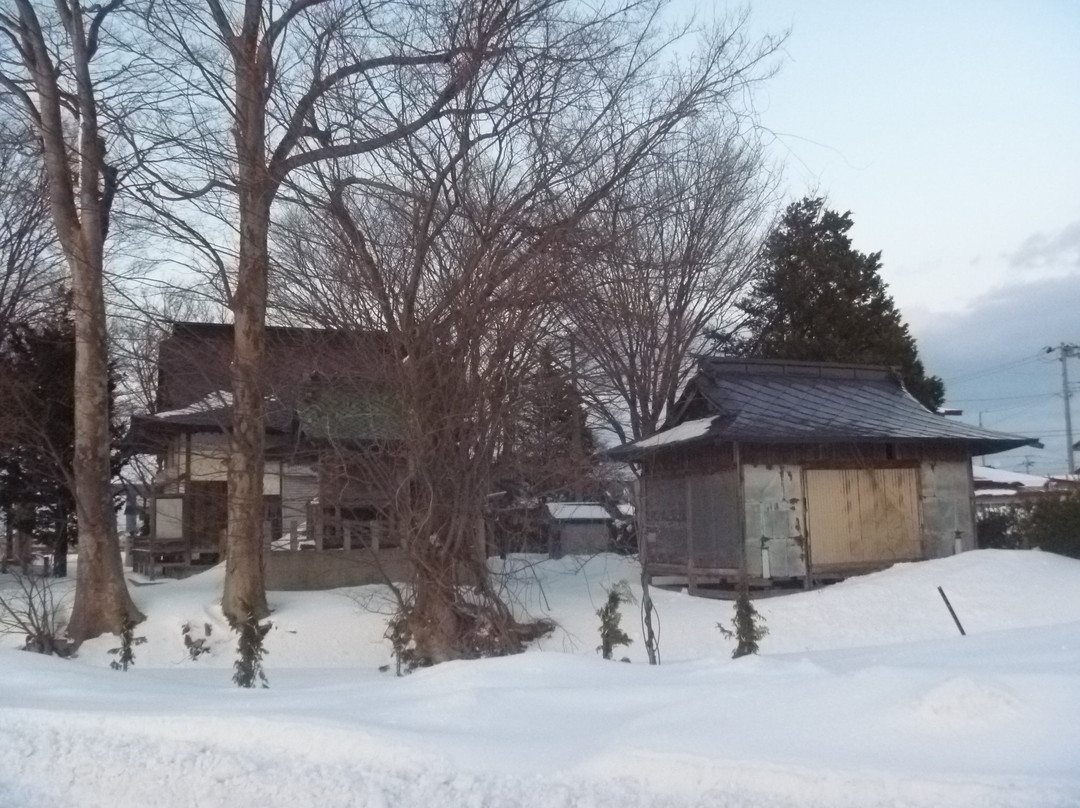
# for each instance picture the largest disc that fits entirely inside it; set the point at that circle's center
(985, 474)
(689, 430)
(219, 399)
(991, 493)
(584, 511)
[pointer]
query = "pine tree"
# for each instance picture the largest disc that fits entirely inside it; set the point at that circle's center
(819, 299)
(37, 437)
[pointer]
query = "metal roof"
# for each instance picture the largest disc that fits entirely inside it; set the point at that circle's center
(768, 401)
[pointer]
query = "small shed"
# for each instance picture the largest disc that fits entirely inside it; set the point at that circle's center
(577, 528)
(802, 471)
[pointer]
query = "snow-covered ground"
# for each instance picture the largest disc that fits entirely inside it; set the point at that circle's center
(864, 695)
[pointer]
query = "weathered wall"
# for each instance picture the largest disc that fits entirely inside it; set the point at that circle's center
(714, 520)
(775, 521)
(209, 462)
(306, 570)
(691, 507)
(579, 538)
(946, 507)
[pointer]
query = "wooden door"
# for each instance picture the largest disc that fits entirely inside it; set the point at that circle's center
(863, 516)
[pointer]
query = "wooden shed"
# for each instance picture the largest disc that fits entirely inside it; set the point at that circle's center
(797, 472)
(577, 528)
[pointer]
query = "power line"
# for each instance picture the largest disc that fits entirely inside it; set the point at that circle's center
(992, 369)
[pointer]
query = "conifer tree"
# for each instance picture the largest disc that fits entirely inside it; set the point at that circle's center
(819, 299)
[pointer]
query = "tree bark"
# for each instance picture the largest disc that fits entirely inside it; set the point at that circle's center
(80, 213)
(244, 597)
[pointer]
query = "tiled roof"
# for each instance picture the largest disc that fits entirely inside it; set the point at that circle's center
(762, 401)
(325, 382)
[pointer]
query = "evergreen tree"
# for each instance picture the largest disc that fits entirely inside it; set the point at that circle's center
(819, 299)
(37, 433)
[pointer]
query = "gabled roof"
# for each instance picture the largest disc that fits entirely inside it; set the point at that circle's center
(772, 401)
(195, 358)
(323, 384)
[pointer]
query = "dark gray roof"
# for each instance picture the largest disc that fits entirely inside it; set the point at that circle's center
(768, 401)
(210, 414)
(327, 384)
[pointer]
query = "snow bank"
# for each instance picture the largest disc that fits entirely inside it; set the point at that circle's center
(864, 695)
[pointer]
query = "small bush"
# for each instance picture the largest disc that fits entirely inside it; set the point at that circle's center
(747, 626)
(248, 670)
(611, 633)
(126, 653)
(32, 608)
(999, 529)
(1053, 524)
(196, 646)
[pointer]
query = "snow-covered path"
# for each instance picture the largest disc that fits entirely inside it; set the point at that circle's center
(930, 719)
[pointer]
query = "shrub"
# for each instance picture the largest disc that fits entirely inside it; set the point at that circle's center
(32, 608)
(747, 627)
(247, 670)
(196, 646)
(126, 653)
(999, 529)
(1053, 524)
(611, 633)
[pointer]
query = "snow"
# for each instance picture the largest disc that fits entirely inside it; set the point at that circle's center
(688, 430)
(864, 694)
(217, 400)
(570, 511)
(1002, 477)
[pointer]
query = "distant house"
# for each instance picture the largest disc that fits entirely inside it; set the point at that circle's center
(577, 528)
(998, 488)
(798, 472)
(328, 418)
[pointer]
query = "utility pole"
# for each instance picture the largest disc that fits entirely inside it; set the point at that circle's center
(1065, 350)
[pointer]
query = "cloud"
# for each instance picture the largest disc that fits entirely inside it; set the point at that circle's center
(1055, 251)
(993, 359)
(1001, 324)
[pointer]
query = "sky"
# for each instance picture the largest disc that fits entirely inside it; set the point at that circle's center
(951, 131)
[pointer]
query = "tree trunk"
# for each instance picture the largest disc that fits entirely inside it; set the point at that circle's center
(102, 602)
(244, 597)
(80, 189)
(245, 587)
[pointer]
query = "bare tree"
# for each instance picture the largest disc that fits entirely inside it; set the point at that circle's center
(48, 66)
(680, 248)
(284, 89)
(29, 264)
(461, 243)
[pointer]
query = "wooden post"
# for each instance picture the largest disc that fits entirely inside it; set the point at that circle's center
(184, 516)
(808, 579)
(294, 536)
(691, 580)
(740, 504)
(346, 536)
